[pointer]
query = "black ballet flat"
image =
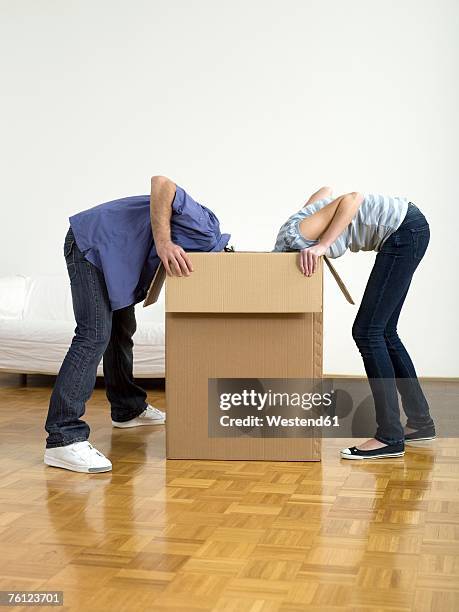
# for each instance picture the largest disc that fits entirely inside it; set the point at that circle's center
(425, 434)
(392, 450)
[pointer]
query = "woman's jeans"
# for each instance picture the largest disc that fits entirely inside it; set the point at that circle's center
(387, 363)
(99, 332)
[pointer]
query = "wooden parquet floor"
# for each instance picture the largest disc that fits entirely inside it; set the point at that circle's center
(226, 536)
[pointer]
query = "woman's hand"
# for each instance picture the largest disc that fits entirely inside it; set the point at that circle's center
(309, 258)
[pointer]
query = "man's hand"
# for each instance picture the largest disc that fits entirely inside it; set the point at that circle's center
(309, 258)
(176, 261)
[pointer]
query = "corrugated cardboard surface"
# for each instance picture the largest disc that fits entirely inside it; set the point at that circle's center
(160, 276)
(245, 282)
(222, 344)
(205, 346)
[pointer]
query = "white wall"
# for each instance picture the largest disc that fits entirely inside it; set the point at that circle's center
(248, 104)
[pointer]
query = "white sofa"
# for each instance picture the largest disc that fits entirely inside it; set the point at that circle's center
(37, 326)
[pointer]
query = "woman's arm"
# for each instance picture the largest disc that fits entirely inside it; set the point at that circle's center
(320, 194)
(326, 225)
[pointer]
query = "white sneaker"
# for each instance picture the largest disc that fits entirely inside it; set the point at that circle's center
(150, 416)
(78, 457)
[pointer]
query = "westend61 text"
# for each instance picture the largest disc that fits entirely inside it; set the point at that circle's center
(278, 421)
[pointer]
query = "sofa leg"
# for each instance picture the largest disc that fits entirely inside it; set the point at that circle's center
(24, 380)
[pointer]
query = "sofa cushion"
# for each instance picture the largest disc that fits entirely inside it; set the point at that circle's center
(13, 291)
(39, 346)
(50, 298)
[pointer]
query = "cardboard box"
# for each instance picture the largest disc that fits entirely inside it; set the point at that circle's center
(238, 315)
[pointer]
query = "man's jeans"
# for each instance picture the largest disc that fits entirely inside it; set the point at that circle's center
(387, 363)
(99, 332)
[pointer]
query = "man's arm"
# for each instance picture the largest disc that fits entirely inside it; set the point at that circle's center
(326, 225)
(174, 258)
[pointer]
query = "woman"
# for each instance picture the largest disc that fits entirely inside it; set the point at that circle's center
(399, 232)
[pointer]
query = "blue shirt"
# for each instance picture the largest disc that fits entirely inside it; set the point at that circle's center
(116, 237)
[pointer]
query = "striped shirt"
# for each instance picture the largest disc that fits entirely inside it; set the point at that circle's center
(377, 218)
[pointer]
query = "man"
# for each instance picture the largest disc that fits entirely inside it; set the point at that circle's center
(112, 252)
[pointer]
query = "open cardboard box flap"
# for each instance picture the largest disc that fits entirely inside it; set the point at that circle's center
(156, 285)
(339, 281)
(160, 276)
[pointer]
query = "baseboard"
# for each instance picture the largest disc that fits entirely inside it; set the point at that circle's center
(425, 378)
